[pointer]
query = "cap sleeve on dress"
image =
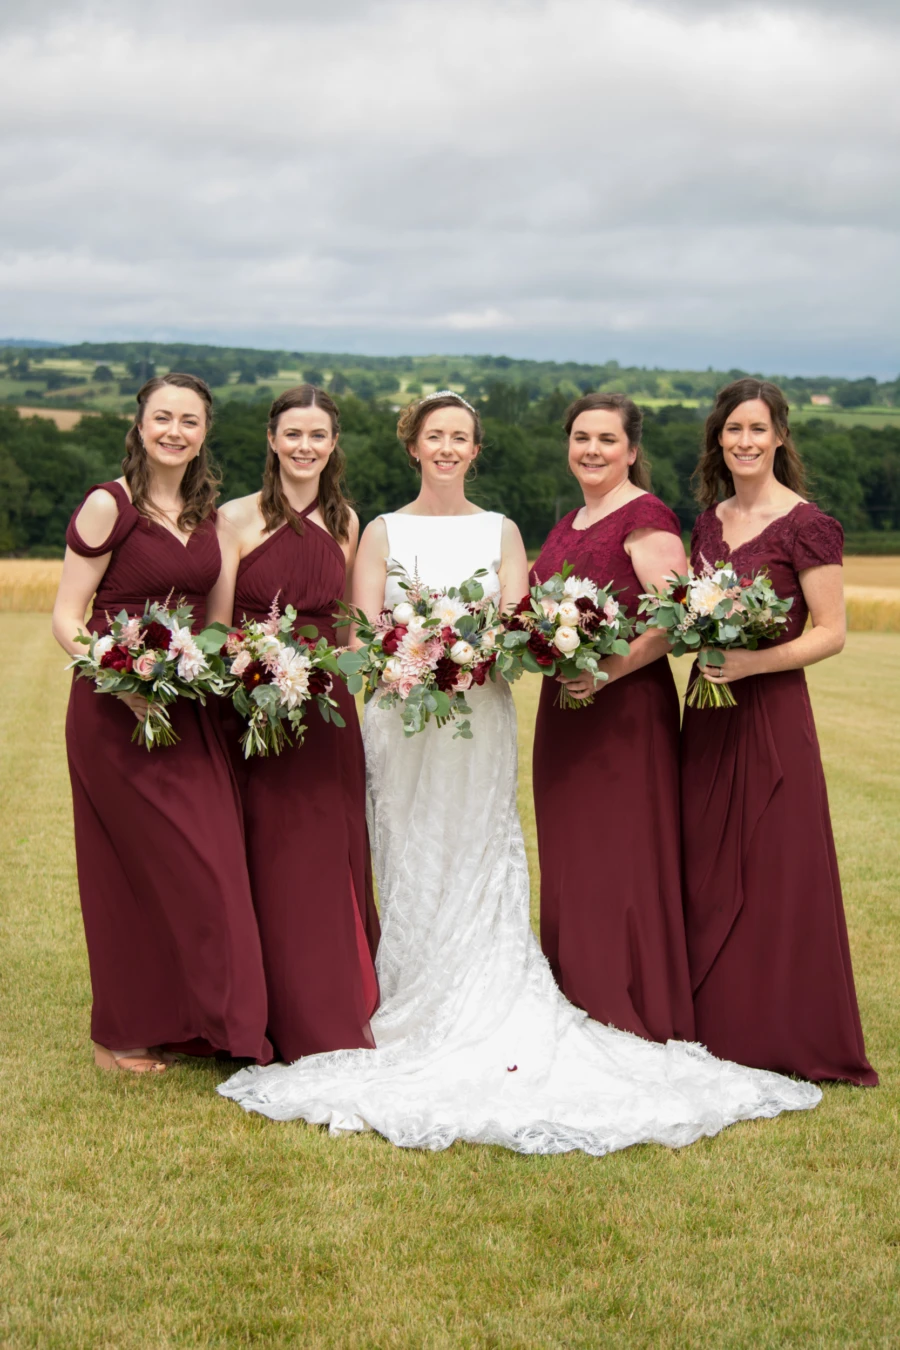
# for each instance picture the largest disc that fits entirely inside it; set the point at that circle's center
(649, 513)
(125, 523)
(819, 541)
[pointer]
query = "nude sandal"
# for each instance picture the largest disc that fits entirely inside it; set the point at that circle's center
(137, 1061)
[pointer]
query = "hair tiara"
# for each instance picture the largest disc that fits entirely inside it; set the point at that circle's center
(448, 393)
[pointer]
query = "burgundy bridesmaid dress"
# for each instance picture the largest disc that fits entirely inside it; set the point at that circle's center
(172, 937)
(606, 803)
(767, 940)
(305, 822)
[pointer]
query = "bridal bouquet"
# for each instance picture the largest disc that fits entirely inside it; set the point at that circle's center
(710, 613)
(154, 654)
(564, 626)
(272, 671)
(426, 652)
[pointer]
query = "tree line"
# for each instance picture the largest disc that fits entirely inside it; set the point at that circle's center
(44, 472)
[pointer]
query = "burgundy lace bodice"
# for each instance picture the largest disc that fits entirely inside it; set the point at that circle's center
(599, 551)
(804, 538)
(148, 562)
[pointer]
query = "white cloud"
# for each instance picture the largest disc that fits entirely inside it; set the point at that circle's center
(675, 171)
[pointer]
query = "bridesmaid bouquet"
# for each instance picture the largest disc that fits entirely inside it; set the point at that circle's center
(565, 626)
(710, 613)
(425, 653)
(154, 654)
(272, 672)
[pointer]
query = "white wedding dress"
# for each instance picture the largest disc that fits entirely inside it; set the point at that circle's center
(474, 1039)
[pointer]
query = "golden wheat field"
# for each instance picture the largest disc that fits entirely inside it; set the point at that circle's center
(872, 587)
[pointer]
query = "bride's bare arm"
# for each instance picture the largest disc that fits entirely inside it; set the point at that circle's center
(513, 566)
(370, 570)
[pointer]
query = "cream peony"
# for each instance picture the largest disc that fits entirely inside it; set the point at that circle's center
(550, 607)
(403, 614)
(240, 663)
(566, 639)
(568, 613)
(393, 668)
(705, 595)
(104, 645)
(447, 610)
(462, 653)
(577, 588)
(489, 637)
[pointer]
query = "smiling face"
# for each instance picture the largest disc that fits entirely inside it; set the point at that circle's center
(173, 426)
(749, 441)
(599, 453)
(304, 440)
(445, 445)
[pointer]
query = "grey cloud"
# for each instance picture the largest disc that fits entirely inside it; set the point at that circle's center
(568, 167)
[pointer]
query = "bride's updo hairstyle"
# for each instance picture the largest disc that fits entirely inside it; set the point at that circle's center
(632, 422)
(712, 477)
(200, 484)
(412, 419)
(333, 503)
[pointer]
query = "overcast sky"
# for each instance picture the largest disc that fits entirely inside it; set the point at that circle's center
(659, 181)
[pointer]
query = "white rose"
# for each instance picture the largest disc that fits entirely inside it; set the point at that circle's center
(566, 639)
(104, 645)
(392, 670)
(416, 625)
(489, 637)
(576, 588)
(568, 613)
(403, 614)
(462, 653)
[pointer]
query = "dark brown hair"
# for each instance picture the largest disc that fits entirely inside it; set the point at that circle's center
(200, 484)
(713, 480)
(632, 424)
(333, 504)
(412, 420)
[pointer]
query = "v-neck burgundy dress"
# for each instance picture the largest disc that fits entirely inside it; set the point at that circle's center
(305, 823)
(767, 939)
(606, 804)
(172, 937)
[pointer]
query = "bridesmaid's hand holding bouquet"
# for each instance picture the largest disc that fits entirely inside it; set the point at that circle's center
(564, 627)
(153, 655)
(271, 673)
(425, 653)
(712, 612)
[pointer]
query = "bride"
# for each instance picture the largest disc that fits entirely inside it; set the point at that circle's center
(474, 1040)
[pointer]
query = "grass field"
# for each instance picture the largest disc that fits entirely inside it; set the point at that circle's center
(152, 1213)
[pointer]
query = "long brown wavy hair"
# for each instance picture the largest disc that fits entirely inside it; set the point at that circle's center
(333, 503)
(412, 419)
(632, 423)
(712, 478)
(200, 484)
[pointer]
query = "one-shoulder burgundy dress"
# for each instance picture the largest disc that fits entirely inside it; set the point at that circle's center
(767, 940)
(305, 823)
(172, 937)
(606, 803)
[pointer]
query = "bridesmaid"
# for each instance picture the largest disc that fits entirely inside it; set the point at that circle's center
(767, 940)
(304, 810)
(172, 939)
(606, 775)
